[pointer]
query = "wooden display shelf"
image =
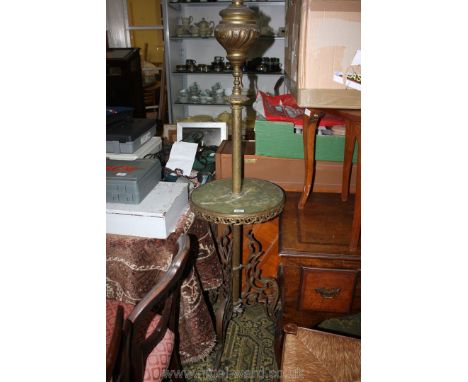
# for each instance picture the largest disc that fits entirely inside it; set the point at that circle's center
(281, 73)
(190, 37)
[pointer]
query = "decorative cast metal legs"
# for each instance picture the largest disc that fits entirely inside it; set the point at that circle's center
(263, 290)
(225, 309)
(257, 289)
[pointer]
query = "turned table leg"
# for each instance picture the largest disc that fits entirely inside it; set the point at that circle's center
(309, 130)
(356, 227)
(350, 139)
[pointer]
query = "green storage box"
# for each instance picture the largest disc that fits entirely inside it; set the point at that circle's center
(277, 139)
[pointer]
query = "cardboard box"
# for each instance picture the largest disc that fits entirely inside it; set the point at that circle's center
(287, 173)
(322, 38)
(155, 217)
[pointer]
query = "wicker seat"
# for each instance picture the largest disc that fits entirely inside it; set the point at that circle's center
(311, 355)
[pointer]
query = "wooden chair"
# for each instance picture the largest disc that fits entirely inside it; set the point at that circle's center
(312, 355)
(155, 95)
(149, 344)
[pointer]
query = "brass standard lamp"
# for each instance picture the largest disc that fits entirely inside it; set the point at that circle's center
(239, 201)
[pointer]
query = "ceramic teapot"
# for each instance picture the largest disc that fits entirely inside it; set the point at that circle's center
(205, 26)
(194, 30)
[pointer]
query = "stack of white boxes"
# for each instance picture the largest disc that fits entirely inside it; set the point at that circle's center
(157, 214)
(153, 146)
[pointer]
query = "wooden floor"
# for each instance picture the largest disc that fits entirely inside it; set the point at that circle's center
(323, 226)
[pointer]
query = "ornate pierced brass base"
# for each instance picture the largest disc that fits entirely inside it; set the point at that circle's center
(258, 202)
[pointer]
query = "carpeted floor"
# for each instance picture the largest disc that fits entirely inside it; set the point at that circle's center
(248, 351)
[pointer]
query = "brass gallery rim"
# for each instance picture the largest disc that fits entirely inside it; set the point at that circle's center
(259, 202)
(218, 218)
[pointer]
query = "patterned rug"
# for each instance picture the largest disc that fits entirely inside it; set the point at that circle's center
(347, 325)
(248, 351)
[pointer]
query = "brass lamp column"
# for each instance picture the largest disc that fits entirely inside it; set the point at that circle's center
(238, 201)
(237, 31)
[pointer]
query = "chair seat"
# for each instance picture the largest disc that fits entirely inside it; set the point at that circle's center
(158, 360)
(311, 355)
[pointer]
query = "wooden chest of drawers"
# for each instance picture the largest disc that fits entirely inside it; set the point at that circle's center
(317, 287)
(318, 275)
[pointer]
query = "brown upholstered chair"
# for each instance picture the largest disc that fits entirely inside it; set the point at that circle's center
(311, 355)
(149, 343)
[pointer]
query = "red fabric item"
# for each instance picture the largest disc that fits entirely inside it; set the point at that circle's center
(158, 360)
(290, 111)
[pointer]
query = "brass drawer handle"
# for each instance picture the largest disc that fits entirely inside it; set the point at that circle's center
(328, 292)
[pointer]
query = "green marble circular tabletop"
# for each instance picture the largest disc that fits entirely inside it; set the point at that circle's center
(258, 202)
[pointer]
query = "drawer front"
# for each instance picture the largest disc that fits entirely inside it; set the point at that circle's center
(327, 290)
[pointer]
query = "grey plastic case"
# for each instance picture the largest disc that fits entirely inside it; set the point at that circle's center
(130, 181)
(130, 147)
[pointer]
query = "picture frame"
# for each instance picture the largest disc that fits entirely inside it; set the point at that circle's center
(203, 133)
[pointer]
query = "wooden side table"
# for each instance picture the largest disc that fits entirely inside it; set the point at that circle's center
(352, 119)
